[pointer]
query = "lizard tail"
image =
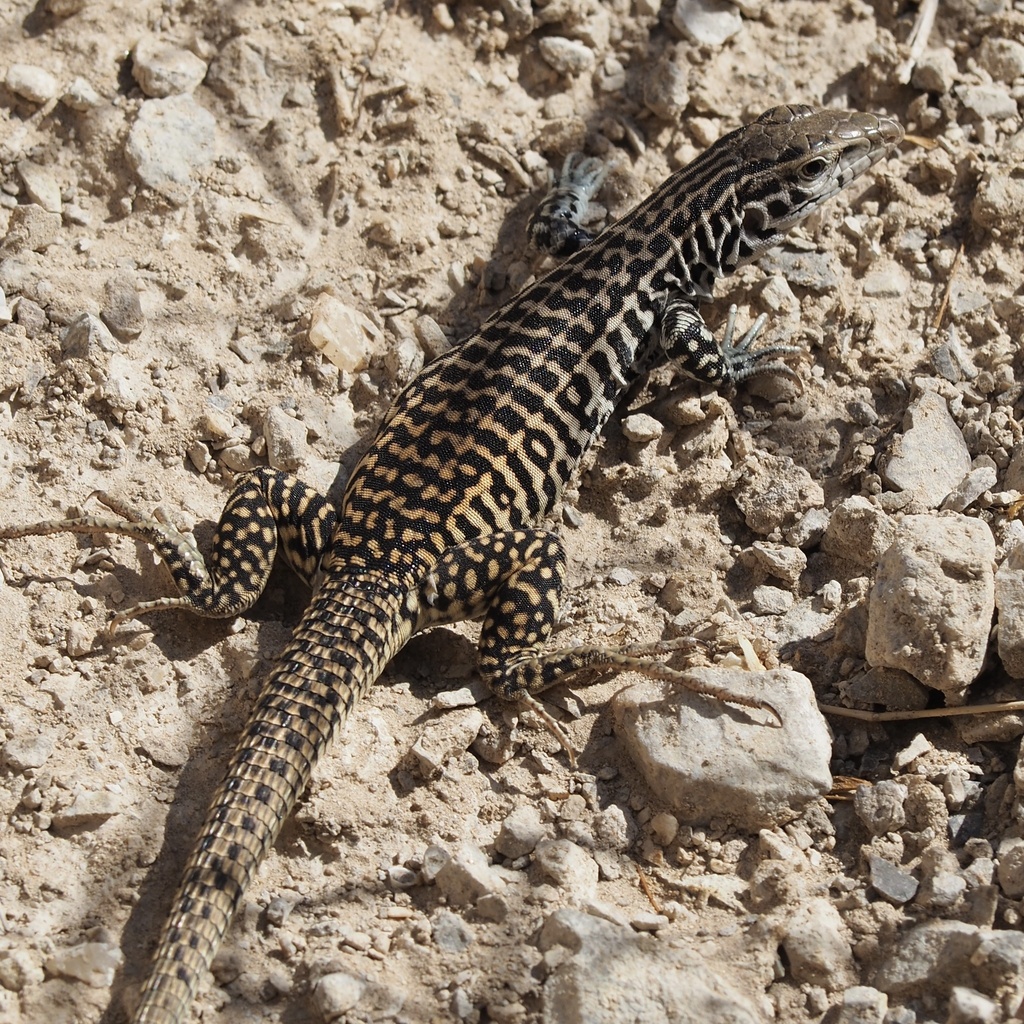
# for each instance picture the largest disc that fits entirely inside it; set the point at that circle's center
(351, 629)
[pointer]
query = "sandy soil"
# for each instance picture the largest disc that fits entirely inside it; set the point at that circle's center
(392, 156)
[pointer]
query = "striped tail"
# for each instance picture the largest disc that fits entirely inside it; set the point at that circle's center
(351, 629)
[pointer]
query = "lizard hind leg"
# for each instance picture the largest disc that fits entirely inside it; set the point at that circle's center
(514, 580)
(265, 512)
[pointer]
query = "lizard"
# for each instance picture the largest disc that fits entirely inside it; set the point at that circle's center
(442, 518)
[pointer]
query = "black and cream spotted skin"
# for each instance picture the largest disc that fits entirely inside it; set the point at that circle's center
(441, 518)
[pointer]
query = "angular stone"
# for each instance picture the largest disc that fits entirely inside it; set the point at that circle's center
(31, 83)
(169, 142)
(466, 876)
(163, 69)
(815, 945)
(345, 336)
(890, 881)
(1009, 596)
(930, 457)
(858, 531)
(91, 962)
(520, 832)
(706, 759)
(122, 310)
(615, 975)
(932, 957)
(569, 866)
(930, 610)
(880, 807)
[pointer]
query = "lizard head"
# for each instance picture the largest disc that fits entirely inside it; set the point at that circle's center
(790, 161)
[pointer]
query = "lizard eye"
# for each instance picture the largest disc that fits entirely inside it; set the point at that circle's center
(815, 168)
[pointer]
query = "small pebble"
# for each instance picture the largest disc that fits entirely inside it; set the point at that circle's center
(567, 56)
(641, 428)
(91, 962)
(337, 993)
(31, 83)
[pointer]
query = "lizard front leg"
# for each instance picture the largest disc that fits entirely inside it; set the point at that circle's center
(691, 346)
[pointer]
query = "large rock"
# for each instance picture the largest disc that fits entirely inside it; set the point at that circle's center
(707, 759)
(930, 610)
(930, 457)
(615, 975)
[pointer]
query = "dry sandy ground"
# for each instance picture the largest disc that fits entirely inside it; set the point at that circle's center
(391, 156)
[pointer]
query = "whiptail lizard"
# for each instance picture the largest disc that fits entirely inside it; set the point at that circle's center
(440, 519)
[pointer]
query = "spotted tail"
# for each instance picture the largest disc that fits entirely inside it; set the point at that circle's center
(351, 629)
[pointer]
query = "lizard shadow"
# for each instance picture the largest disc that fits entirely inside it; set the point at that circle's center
(212, 738)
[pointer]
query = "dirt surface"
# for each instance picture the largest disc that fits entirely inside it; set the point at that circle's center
(391, 156)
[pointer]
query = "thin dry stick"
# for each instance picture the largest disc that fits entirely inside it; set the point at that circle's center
(648, 891)
(918, 39)
(949, 287)
(909, 716)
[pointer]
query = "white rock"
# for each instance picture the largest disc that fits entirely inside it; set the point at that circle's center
(935, 71)
(569, 866)
(91, 808)
(65, 8)
(664, 827)
(345, 336)
(930, 610)
(122, 308)
(970, 489)
(933, 957)
(886, 280)
(861, 1004)
(641, 428)
(1010, 606)
(81, 96)
(967, 1006)
(85, 337)
(773, 492)
(286, 439)
(467, 876)
(337, 993)
(447, 737)
(987, 102)
(666, 91)
(40, 185)
(930, 457)
(19, 969)
(31, 83)
(1010, 870)
(905, 756)
(450, 933)
(520, 832)
(170, 140)
(124, 385)
(708, 759)
(880, 807)
(942, 882)
(784, 563)
(613, 830)
(766, 600)
(163, 69)
(23, 752)
(1003, 59)
(817, 949)
(91, 962)
(858, 531)
(709, 22)
(615, 975)
(568, 56)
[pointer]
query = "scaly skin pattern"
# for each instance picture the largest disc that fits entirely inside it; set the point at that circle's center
(441, 518)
